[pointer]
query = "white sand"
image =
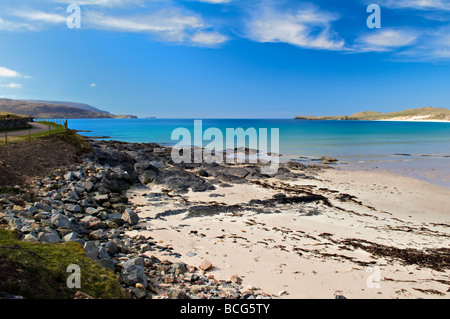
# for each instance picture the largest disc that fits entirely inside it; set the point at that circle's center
(283, 251)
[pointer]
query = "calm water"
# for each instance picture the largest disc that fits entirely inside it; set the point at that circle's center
(413, 148)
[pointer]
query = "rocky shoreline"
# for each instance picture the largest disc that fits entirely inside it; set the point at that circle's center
(87, 204)
(116, 198)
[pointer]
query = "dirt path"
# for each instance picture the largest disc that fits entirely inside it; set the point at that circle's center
(36, 128)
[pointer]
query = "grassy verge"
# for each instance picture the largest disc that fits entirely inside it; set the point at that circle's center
(59, 131)
(35, 270)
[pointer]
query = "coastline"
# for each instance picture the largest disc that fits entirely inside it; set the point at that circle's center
(303, 255)
(228, 231)
(409, 120)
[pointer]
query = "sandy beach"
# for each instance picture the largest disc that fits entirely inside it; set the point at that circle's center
(375, 234)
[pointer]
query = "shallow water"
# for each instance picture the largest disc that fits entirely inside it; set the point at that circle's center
(418, 149)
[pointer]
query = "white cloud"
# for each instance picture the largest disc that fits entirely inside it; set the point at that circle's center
(215, 1)
(93, 85)
(169, 24)
(7, 25)
(416, 4)
(40, 16)
(307, 28)
(208, 38)
(105, 3)
(386, 40)
(12, 85)
(434, 46)
(8, 73)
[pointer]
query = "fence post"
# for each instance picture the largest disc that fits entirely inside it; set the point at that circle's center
(6, 135)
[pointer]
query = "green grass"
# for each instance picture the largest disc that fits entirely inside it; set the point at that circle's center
(60, 132)
(36, 270)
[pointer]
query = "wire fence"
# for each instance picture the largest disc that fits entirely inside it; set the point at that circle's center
(54, 124)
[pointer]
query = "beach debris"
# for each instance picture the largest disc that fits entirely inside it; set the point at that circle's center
(235, 279)
(283, 293)
(205, 265)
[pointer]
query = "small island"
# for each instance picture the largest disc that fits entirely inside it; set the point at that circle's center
(418, 114)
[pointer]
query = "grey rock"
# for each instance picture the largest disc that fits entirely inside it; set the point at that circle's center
(42, 215)
(31, 210)
(139, 261)
(180, 267)
(77, 175)
(120, 245)
(60, 221)
(130, 216)
(108, 264)
(103, 253)
(49, 238)
(43, 206)
(120, 207)
(74, 208)
(29, 238)
(111, 248)
(15, 223)
(91, 250)
(133, 273)
(70, 237)
(93, 211)
(139, 293)
(97, 235)
(101, 198)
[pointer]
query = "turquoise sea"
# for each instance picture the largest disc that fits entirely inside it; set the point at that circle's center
(419, 149)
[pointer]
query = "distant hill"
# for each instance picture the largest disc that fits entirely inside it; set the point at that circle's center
(419, 114)
(4, 115)
(43, 109)
(82, 106)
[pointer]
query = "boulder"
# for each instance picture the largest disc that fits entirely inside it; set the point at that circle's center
(60, 221)
(328, 160)
(91, 250)
(50, 238)
(70, 237)
(133, 273)
(73, 208)
(130, 216)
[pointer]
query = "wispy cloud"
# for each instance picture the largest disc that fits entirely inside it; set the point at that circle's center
(215, 1)
(12, 85)
(434, 46)
(15, 26)
(171, 24)
(104, 3)
(386, 40)
(308, 27)
(40, 16)
(416, 4)
(208, 38)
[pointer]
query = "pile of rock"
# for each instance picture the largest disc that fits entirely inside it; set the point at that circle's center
(86, 204)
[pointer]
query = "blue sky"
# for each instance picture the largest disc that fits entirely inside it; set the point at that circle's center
(228, 58)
